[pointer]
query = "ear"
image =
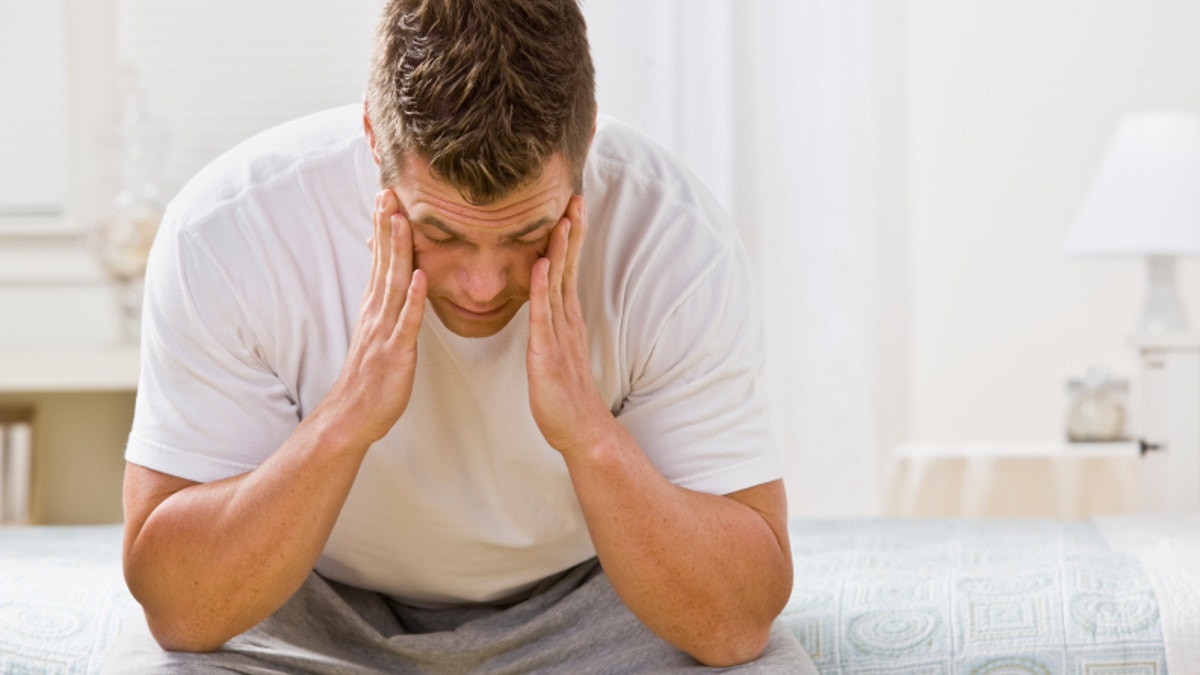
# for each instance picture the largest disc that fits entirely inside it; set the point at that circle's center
(370, 132)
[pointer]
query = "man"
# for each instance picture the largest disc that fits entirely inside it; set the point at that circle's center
(563, 467)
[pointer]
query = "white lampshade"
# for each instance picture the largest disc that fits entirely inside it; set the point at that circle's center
(1145, 199)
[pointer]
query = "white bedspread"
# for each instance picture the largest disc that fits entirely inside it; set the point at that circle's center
(880, 597)
(1169, 549)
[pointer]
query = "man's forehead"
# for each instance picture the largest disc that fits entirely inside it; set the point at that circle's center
(433, 201)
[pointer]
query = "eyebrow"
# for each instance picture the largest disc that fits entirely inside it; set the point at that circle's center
(435, 222)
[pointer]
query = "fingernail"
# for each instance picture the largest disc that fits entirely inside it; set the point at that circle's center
(379, 201)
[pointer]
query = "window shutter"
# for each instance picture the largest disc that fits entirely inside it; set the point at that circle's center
(215, 72)
(32, 108)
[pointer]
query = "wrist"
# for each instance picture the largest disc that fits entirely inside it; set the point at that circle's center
(337, 426)
(598, 441)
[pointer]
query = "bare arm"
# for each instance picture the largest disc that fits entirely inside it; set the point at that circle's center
(707, 573)
(208, 561)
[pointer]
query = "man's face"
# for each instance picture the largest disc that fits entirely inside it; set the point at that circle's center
(478, 259)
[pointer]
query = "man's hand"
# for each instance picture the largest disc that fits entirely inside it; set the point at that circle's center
(563, 396)
(376, 380)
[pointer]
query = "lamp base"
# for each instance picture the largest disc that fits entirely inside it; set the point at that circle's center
(1161, 310)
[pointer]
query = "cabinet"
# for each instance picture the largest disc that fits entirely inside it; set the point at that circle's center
(1170, 373)
(83, 399)
(1158, 473)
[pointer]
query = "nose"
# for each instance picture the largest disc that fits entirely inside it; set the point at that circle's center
(483, 276)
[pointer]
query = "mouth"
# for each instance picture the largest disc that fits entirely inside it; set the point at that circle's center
(478, 315)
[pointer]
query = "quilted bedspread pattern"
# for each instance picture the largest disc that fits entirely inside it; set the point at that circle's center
(886, 597)
(62, 598)
(909, 597)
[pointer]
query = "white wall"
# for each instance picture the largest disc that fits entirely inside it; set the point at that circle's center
(992, 117)
(1009, 107)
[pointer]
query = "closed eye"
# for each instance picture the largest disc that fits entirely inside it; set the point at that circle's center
(530, 242)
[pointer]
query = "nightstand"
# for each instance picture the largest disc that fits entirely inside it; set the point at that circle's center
(1159, 472)
(1170, 375)
(1012, 480)
(83, 399)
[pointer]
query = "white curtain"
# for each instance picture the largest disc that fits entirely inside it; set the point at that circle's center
(771, 102)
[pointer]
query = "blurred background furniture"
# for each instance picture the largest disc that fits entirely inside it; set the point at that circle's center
(1145, 201)
(1170, 420)
(1013, 480)
(1158, 473)
(82, 399)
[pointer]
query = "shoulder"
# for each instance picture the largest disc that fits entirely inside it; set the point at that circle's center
(632, 183)
(658, 243)
(650, 215)
(263, 225)
(279, 158)
(623, 158)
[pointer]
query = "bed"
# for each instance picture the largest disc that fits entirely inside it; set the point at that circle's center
(1112, 596)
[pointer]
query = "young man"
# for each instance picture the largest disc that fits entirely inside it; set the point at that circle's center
(534, 443)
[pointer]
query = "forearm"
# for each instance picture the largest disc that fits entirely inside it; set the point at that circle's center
(706, 573)
(214, 559)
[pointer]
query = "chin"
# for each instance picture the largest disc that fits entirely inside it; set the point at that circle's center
(471, 328)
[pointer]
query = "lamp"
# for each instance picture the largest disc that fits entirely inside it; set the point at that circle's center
(1145, 200)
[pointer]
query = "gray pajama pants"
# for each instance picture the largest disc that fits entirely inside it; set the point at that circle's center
(575, 624)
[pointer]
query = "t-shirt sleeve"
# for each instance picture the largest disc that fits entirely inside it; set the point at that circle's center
(208, 404)
(696, 405)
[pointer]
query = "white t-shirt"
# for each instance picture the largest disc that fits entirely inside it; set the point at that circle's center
(252, 294)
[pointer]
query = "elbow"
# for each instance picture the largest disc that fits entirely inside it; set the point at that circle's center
(184, 636)
(731, 647)
(733, 641)
(181, 622)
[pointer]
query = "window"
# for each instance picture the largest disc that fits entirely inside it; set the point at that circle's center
(33, 132)
(215, 72)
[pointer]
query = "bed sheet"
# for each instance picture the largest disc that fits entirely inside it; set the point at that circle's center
(871, 597)
(1169, 549)
(62, 598)
(908, 597)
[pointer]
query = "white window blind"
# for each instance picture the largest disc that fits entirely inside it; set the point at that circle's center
(215, 72)
(32, 108)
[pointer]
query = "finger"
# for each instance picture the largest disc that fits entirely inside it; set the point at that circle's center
(577, 212)
(557, 255)
(541, 320)
(383, 238)
(402, 245)
(409, 325)
(374, 253)
(377, 285)
(399, 270)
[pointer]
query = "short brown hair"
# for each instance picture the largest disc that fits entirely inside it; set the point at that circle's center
(485, 91)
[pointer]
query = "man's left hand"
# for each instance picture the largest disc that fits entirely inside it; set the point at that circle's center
(563, 396)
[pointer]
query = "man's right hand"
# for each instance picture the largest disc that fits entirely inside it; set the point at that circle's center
(377, 378)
